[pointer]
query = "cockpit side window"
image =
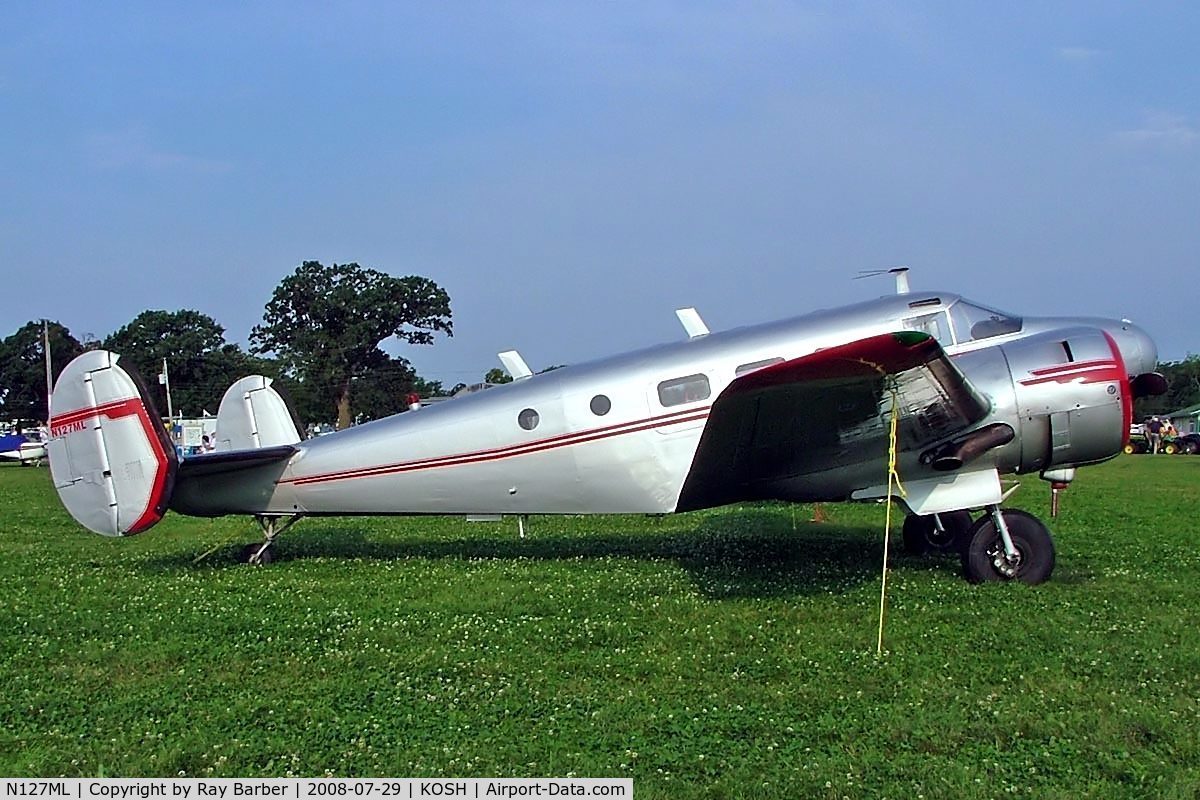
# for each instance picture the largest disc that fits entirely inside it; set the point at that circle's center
(756, 365)
(974, 322)
(936, 325)
(689, 389)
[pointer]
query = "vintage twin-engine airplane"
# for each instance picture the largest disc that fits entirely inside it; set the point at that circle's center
(796, 410)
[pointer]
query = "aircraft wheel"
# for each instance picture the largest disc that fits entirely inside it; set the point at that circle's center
(249, 551)
(984, 558)
(921, 534)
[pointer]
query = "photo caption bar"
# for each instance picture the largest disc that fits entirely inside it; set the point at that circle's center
(303, 788)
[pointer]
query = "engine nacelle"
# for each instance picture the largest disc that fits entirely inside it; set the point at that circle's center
(1071, 403)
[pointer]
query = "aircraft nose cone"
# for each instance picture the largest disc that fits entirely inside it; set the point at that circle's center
(1137, 348)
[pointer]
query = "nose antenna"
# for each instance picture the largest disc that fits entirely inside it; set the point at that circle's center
(900, 272)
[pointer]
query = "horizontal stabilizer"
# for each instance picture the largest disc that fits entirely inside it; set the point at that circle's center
(253, 414)
(111, 460)
(232, 461)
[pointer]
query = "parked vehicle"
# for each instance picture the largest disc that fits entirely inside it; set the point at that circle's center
(1188, 443)
(1139, 443)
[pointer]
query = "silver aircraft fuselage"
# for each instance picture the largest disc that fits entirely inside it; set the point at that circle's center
(620, 434)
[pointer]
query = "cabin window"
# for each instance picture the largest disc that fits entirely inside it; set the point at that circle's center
(755, 365)
(528, 419)
(601, 405)
(979, 322)
(936, 325)
(678, 391)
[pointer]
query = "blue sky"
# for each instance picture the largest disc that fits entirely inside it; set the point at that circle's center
(572, 172)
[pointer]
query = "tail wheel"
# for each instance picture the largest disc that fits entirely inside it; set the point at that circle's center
(923, 535)
(984, 558)
(250, 554)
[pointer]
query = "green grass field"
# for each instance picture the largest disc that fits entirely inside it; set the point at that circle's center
(719, 654)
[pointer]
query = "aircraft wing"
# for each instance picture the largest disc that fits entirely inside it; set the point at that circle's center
(805, 429)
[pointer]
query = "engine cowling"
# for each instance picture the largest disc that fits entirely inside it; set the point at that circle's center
(1072, 400)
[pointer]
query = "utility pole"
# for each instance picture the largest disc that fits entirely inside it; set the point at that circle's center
(49, 371)
(165, 380)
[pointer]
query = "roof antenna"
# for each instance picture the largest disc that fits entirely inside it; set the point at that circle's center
(900, 272)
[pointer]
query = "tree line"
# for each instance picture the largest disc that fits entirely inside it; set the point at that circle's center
(1183, 389)
(320, 340)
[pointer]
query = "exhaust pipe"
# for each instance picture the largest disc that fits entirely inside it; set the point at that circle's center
(953, 455)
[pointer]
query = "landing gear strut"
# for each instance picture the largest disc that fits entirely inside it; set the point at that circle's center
(1009, 544)
(272, 525)
(936, 533)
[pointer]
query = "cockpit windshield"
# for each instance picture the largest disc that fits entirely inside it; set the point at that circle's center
(973, 322)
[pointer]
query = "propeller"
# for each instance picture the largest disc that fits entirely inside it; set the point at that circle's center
(1148, 384)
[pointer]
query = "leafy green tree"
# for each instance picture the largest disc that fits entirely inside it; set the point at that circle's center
(325, 324)
(23, 370)
(384, 390)
(1183, 388)
(200, 363)
(497, 375)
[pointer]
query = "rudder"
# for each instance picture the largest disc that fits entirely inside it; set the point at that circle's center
(111, 460)
(254, 414)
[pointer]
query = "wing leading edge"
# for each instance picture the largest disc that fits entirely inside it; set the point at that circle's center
(817, 427)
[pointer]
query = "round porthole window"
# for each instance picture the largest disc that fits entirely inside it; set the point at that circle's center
(601, 405)
(528, 419)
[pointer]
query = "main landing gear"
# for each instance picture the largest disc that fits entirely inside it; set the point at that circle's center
(1001, 545)
(936, 533)
(1007, 545)
(262, 553)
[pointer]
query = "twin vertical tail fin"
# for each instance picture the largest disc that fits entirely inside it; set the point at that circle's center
(254, 415)
(112, 462)
(111, 459)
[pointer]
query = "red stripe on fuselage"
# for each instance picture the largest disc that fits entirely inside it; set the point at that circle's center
(510, 451)
(1071, 366)
(1084, 371)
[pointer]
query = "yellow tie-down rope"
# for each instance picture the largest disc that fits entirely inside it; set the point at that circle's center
(893, 479)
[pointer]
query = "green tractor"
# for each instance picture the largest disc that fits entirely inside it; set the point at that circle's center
(1140, 443)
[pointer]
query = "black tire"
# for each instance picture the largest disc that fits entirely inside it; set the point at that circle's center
(921, 535)
(1188, 448)
(264, 558)
(985, 550)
